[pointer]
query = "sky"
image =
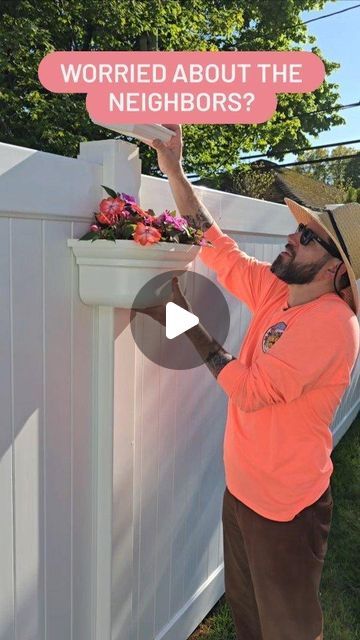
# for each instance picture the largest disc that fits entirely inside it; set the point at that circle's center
(338, 37)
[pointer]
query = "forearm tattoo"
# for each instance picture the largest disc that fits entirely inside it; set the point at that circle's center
(211, 352)
(201, 219)
(217, 360)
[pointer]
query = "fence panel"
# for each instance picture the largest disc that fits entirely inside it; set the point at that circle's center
(168, 480)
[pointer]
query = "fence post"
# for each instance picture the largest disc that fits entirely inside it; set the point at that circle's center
(122, 172)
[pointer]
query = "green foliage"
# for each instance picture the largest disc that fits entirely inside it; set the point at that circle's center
(340, 173)
(109, 191)
(253, 180)
(91, 235)
(353, 195)
(33, 117)
(127, 231)
(352, 171)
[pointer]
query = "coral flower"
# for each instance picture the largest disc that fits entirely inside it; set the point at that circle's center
(136, 209)
(110, 218)
(146, 235)
(111, 208)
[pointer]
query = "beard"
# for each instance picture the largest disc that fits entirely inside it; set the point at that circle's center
(285, 269)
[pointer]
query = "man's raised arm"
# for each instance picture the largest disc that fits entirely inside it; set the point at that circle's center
(243, 276)
(169, 160)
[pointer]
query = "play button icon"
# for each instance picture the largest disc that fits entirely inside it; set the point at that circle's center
(178, 320)
(168, 344)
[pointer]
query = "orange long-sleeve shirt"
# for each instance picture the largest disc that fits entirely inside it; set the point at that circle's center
(284, 388)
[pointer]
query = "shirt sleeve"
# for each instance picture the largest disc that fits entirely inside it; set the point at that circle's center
(242, 275)
(311, 353)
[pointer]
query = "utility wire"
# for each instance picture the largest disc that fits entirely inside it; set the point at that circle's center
(328, 15)
(294, 164)
(318, 146)
(337, 108)
(344, 106)
(291, 164)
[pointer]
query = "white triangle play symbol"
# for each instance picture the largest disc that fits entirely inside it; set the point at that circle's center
(178, 320)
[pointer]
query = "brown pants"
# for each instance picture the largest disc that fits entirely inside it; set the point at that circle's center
(273, 570)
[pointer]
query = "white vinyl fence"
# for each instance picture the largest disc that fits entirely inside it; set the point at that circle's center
(111, 473)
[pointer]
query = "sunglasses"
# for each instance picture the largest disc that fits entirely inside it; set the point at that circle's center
(308, 234)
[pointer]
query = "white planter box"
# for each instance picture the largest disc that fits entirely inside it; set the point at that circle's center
(144, 132)
(112, 274)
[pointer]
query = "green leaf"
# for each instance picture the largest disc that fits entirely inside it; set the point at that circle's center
(127, 231)
(109, 191)
(187, 232)
(91, 235)
(172, 232)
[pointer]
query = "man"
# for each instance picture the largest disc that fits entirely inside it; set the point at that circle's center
(284, 388)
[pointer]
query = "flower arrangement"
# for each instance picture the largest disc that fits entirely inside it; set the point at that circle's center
(121, 218)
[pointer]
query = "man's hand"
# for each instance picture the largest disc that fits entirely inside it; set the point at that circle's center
(212, 353)
(158, 312)
(169, 154)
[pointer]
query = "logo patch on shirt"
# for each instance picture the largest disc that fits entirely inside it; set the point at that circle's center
(272, 335)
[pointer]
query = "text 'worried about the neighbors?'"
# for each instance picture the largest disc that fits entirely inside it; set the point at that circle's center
(186, 87)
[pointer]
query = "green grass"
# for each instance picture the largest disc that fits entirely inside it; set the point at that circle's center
(340, 584)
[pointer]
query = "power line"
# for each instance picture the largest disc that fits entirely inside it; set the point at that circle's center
(328, 15)
(294, 164)
(337, 108)
(309, 113)
(318, 146)
(345, 106)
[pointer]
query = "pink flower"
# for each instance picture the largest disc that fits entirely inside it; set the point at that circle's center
(128, 198)
(94, 227)
(146, 235)
(167, 219)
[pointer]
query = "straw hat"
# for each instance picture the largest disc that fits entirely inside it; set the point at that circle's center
(342, 224)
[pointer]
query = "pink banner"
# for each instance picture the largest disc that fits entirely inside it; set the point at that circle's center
(181, 86)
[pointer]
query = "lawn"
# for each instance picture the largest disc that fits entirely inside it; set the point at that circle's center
(340, 585)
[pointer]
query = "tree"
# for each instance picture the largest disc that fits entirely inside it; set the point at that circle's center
(32, 116)
(319, 171)
(340, 173)
(352, 171)
(353, 195)
(253, 180)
